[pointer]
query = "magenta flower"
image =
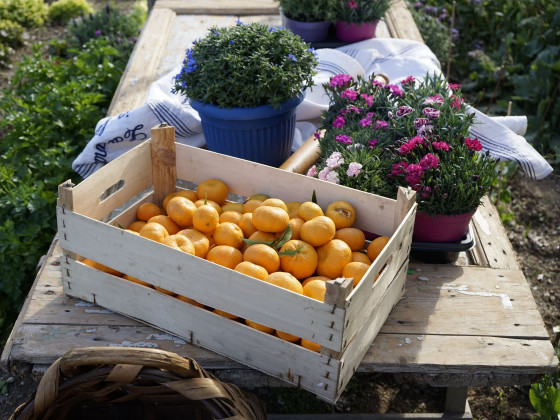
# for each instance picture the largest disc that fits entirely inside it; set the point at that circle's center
(365, 122)
(372, 142)
(352, 4)
(334, 160)
(377, 83)
(354, 169)
(419, 122)
(434, 100)
(355, 109)
(340, 80)
(379, 124)
(426, 192)
(473, 144)
(367, 98)
(312, 172)
(342, 139)
(414, 174)
(425, 130)
(395, 90)
(454, 86)
(429, 161)
(440, 145)
(339, 121)
(408, 80)
(404, 110)
(317, 135)
(457, 102)
(431, 113)
(349, 94)
(399, 168)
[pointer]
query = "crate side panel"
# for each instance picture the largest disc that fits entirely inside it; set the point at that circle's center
(373, 213)
(201, 280)
(366, 296)
(281, 359)
(361, 342)
(133, 167)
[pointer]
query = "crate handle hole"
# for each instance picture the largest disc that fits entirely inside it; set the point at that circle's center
(111, 190)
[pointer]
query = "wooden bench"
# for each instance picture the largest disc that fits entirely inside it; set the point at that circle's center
(468, 324)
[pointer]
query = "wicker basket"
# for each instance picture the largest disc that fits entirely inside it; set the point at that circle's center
(134, 383)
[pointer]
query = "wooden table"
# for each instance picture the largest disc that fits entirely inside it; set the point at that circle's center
(468, 324)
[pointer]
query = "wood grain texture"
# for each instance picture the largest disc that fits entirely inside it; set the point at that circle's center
(219, 7)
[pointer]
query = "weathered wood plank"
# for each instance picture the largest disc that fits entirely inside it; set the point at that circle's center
(219, 7)
(400, 22)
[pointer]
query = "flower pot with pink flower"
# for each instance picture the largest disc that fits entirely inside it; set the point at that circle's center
(310, 19)
(356, 20)
(381, 136)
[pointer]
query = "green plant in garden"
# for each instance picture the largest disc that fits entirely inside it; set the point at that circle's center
(360, 11)
(308, 10)
(48, 111)
(28, 13)
(433, 23)
(10, 33)
(246, 66)
(545, 394)
(64, 10)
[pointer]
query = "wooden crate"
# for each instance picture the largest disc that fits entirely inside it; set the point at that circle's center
(344, 325)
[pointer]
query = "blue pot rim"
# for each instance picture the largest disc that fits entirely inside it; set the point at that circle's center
(245, 113)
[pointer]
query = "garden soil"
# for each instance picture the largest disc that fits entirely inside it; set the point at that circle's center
(535, 235)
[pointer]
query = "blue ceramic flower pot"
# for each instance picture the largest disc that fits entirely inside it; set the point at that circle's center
(261, 134)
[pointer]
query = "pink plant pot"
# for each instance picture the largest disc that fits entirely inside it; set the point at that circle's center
(354, 32)
(430, 228)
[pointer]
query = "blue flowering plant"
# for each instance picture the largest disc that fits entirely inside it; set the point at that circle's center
(246, 65)
(376, 137)
(360, 11)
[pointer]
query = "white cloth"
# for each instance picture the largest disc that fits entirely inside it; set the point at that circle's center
(396, 58)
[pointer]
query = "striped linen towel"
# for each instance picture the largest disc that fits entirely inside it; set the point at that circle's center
(396, 58)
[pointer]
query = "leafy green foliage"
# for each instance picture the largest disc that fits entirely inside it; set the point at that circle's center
(545, 394)
(28, 13)
(48, 111)
(64, 10)
(359, 11)
(433, 24)
(246, 66)
(309, 10)
(10, 33)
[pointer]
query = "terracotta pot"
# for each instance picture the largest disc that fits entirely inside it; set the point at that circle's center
(354, 32)
(441, 228)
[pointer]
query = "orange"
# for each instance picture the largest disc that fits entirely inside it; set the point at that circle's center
(166, 221)
(225, 314)
(308, 210)
(342, 213)
(166, 200)
(310, 345)
(270, 219)
(251, 205)
(213, 189)
(179, 242)
(333, 256)
(376, 246)
(259, 196)
(296, 223)
(147, 210)
(136, 225)
(199, 203)
(135, 280)
(188, 194)
(354, 237)
(275, 202)
(250, 269)
(154, 231)
(230, 216)
(293, 208)
(199, 240)
(263, 255)
(303, 263)
(246, 224)
(181, 210)
(308, 279)
(228, 233)
(101, 267)
(206, 218)
(289, 282)
(210, 236)
(191, 301)
(315, 289)
(355, 270)
(225, 255)
(259, 327)
(318, 231)
(358, 256)
(262, 236)
(232, 206)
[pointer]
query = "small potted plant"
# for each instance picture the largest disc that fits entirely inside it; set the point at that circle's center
(245, 81)
(310, 19)
(416, 135)
(357, 20)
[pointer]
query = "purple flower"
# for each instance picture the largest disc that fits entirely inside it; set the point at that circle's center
(429, 161)
(312, 172)
(367, 98)
(404, 110)
(365, 122)
(317, 135)
(419, 122)
(342, 139)
(292, 57)
(340, 80)
(339, 121)
(98, 32)
(349, 94)
(473, 144)
(354, 169)
(431, 113)
(372, 142)
(379, 124)
(425, 130)
(334, 160)
(395, 90)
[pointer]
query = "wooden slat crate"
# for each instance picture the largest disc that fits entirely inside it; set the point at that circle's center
(344, 325)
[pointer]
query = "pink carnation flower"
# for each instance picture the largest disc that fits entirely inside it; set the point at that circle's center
(334, 160)
(332, 176)
(312, 172)
(339, 122)
(340, 80)
(429, 161)
(473, 144)
(341, 138)
(354, 169)
(349, 94)
(367, 98)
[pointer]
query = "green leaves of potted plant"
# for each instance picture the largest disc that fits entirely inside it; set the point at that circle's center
(415, 135)
(310, 19)
(356, 20)
(245, 81)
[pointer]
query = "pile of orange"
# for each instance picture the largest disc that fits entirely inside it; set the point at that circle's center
(294, 245)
